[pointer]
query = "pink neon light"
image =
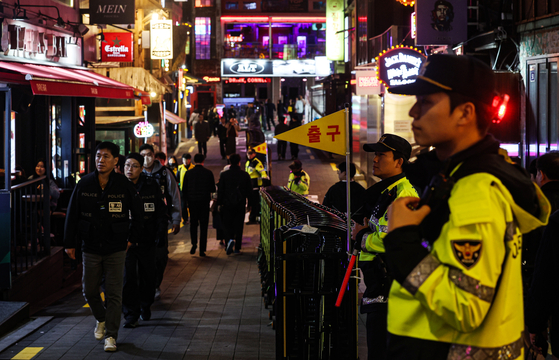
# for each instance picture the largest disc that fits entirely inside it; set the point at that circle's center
(275, 19)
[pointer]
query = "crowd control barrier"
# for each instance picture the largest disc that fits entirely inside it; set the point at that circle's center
(303, 260)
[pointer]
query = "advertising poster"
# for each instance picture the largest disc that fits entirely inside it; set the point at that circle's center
(441, 22)
(117, 47)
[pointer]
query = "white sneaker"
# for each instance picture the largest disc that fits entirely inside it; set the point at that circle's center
(99, 330)
(110, 344)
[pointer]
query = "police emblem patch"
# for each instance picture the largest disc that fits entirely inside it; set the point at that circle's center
(467, 252)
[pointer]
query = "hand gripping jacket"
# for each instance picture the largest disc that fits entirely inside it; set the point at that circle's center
(256, 171)
(300, 185)
(461, 284)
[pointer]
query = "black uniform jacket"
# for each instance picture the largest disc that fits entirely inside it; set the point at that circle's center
(198, 186)
(231, 180)
(154, 212)
(102, 219)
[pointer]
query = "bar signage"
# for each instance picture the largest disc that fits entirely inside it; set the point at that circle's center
(399, 66)
(117, 47)
(143, 129)
(161, 38)
(274, 68)
(112, 11)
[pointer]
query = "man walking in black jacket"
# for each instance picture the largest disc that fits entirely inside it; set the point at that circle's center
(234, 190)
(139, 271)
(99, 217)
(199, 184)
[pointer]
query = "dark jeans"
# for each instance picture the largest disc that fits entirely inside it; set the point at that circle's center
(203, 147)
(161, 258)
(270, 120)
(222, 143)
(111, 266)
(199, 215)
(184, 208)
(233, 223)
(376, 332)
(282, 147)
(139, 281)
(294, 148)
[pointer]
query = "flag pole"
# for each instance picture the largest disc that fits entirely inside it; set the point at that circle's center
(348, 213)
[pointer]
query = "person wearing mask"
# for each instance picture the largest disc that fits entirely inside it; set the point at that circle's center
(232, 194)
(199, 184)
(391, 152)
(54, 192)
(299, 181)
(102, 212)
(138, 291)
(172, 164)
(166, 181)
(456, 256)
(336, 196)
(255, 169)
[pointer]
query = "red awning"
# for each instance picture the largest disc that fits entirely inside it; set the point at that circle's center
(144, 97)
(172, 118)
(59, 81)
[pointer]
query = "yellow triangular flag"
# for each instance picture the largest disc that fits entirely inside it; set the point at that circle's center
(327, 133)
(261, 149)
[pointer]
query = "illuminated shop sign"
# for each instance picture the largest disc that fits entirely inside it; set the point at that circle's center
(250, 80)
(211, 79)
(111, 11)
(413, 26)
(161, 39)
(367, 83)
(231, 38)
(274, 68)
(399, 65)
(334, 30)
(143, 129)
(117, 47)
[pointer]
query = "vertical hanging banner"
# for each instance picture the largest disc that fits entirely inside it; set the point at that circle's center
(335, 23)
(441, 22)
(161, 37)
(117, 47)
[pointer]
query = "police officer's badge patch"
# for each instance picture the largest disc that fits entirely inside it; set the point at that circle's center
(467, 252)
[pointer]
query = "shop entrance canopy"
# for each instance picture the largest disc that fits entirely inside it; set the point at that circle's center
(172, 118)
(59, 81)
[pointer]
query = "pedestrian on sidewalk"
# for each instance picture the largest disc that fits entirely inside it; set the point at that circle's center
(336, 196)
(233, 191)
(232, 133)
(299, 181)
(199, 184)
(294, 123)
(270, 108)
(99, 217)
(282, 145)
(202, 134)
(139, 272)
(166, 181)
(222, 135)
(183, 168)
(281, 110)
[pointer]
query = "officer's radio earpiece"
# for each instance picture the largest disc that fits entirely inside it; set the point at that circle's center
(499, 104)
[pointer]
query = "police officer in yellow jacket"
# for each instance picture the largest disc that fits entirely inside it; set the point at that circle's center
(391, 152)
(455, 256)
(299, 181)
(257, 173)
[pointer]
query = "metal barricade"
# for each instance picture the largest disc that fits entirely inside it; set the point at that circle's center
(301, 273)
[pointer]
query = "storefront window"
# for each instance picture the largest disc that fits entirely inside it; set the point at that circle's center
(203, 31)
(232, 5)
(249, 5)
(116, 136)
(204, 3)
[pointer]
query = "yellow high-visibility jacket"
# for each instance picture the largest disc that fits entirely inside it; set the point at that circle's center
(302, 187)
(467, 289)
(255, 169)
(371, 242)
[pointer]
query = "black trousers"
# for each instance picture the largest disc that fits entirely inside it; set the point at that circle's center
(222, 143)
(139, 281)
(184, 208)
(233, 223)
(376, 332)
(161, 258)
(202, 147)
(270, 120)
(199, 215)
(282, 147)
(294, 148)
(255, 210)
